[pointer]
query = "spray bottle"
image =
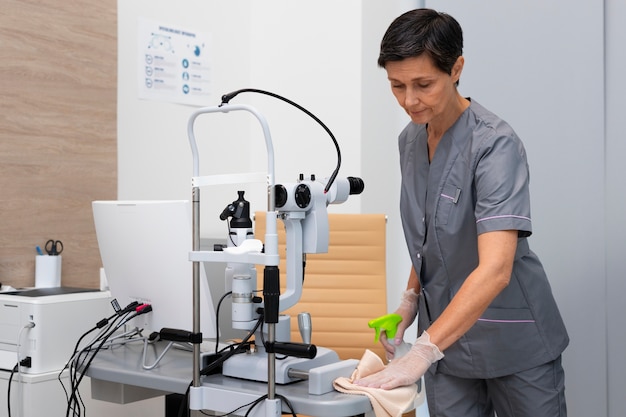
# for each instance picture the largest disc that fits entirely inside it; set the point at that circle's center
(389, 323)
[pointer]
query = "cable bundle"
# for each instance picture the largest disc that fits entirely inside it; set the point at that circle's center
(82, 357)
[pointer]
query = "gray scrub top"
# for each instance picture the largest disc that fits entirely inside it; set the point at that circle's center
(477, 182)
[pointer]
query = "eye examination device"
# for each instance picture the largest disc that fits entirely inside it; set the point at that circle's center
(302, 207)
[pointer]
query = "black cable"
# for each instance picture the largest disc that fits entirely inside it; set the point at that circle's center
(15, 369)
(76, 380)
(100, 325)
(75, 403)
(278, 358)
(74, 359)
(254, 404)
(227, 97)
(219, 360)
(232, 351)
(238, 408)
(281, 397)
(102, 340)
(230, 236)
(288, 403)
(217, 320)
(251, 404)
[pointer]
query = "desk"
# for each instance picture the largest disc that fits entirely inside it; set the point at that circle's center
(123, 365)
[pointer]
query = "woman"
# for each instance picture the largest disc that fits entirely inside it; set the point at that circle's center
(491, 335)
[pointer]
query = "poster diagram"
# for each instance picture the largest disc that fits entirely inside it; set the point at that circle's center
(173, 64)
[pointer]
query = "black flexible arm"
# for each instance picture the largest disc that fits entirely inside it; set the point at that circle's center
(227, 97)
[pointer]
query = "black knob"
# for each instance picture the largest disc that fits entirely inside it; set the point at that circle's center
(280, 195)
(302, 195)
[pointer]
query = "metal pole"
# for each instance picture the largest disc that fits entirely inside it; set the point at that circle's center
(196, 284)
(271, 363)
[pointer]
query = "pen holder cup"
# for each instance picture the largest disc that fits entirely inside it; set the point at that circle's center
(47, 271)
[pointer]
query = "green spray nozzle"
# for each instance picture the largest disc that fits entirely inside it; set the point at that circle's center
(388, 323)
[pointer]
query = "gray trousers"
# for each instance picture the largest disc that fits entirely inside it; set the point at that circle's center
(537, 392)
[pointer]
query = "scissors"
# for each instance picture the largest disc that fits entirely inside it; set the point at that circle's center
(54, 247)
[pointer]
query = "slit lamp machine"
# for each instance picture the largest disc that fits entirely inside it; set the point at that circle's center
(302, 207)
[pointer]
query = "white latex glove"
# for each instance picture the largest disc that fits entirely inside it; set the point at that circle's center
(408, 311)
(407, 369)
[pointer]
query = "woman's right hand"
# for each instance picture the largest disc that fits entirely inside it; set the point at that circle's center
(408, 311)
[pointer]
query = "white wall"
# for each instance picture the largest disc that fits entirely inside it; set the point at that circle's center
(154, 156)
(301, 53)
(540, 65)
(382, 120)
(307, 55)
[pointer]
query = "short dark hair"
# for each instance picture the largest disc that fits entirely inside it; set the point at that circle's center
(423, 31)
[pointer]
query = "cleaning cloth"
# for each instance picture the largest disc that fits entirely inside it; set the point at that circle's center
(386, 403)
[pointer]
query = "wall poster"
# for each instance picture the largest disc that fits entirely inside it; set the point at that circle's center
(173, 64)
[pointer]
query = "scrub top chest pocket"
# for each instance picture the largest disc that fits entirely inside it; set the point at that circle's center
(448, 199)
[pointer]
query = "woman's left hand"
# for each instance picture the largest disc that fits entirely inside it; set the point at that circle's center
(407, 369)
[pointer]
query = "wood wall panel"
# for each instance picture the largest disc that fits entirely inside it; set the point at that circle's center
(58, 86)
